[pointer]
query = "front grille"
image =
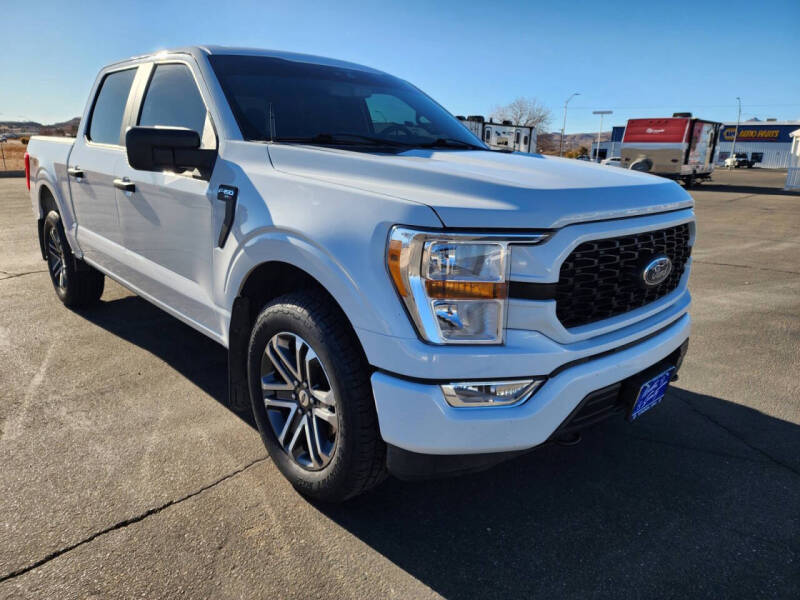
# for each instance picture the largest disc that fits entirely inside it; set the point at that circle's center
(595, 407)
(601, 279)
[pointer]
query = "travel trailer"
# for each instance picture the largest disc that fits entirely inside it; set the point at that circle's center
(502, 136)
(678, 147)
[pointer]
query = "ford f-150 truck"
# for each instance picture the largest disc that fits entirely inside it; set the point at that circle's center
(395, 297)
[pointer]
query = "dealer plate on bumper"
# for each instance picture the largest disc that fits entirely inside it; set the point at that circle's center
(651, 393)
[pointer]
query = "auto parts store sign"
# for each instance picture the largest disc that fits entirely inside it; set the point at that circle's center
(759, 133)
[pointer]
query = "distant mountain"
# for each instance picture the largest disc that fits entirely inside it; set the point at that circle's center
(546, 142)
(69, 127)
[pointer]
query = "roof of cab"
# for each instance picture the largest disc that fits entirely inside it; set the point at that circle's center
(230, 50)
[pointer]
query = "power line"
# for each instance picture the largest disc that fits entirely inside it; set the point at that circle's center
(688, 104)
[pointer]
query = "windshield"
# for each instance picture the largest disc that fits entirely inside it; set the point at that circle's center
(281, 100)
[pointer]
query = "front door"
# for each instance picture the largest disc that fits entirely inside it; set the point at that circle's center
(166, 220)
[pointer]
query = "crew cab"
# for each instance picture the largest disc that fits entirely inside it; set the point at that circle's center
(394, 296)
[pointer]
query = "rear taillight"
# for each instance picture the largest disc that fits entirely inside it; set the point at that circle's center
(28, 170)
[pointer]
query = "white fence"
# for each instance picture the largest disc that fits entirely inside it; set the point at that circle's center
(793, 178)
(773, 155)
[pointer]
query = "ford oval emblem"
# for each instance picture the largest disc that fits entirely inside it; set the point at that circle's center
(657, 270)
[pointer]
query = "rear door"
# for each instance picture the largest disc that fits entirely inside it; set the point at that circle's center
(166, 221)
(701, 145)
(95, 158)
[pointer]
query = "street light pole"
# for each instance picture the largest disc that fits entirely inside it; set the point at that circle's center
(564, 126)
(736, 131)
(602, 113)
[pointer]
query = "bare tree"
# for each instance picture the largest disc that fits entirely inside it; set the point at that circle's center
(525, 111)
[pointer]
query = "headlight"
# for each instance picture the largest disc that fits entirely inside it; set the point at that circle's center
(455, 286)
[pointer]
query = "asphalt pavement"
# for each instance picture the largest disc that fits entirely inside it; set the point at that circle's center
(125, 475)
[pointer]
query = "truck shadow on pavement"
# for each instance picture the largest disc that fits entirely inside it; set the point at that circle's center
(670, 506)
(198, 358)
(698, 498)
(750, 190)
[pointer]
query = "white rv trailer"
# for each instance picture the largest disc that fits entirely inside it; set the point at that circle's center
(501, 136)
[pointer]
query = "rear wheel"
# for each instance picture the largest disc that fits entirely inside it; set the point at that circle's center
(76, 283)
(312, 398)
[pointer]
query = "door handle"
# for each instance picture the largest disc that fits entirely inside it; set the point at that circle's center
(75, 171)
(125, 185)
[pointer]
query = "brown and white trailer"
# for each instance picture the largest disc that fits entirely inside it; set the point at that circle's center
(678, 147)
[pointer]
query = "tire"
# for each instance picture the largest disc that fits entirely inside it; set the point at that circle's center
(76, 283)
(321, 428)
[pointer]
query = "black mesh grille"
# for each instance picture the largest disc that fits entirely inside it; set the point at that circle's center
(595, 407)
(601, 279)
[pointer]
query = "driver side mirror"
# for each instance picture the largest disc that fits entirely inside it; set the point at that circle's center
(167, 149)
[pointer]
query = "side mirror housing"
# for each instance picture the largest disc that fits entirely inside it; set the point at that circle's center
(167, 149)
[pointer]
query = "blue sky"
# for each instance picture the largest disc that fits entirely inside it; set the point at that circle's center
(637, 58)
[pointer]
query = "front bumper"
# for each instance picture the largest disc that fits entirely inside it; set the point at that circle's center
(414, 416)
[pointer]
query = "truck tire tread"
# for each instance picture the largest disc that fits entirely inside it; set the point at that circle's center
(85, 283)
(367, 465)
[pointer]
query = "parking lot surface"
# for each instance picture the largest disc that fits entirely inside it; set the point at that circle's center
(125, 475)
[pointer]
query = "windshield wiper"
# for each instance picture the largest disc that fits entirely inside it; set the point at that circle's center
(451, 143)
(344, 138)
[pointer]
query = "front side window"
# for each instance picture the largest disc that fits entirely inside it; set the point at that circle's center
(487, 135)
(173, 100)
(105, 122)
(281, 100)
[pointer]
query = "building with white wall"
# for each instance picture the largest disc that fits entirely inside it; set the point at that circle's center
(610, 147)
(767, 143)
(793, 172)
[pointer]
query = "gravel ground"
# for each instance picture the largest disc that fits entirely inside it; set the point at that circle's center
(124, 474)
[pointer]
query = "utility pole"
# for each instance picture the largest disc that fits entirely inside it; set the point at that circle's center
(564, 126)
(736, 131)
(602, 113)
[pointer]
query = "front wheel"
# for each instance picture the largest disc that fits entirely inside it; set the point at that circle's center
(76, 283)
(312, 398)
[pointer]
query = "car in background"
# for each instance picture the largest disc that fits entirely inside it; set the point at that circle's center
(740, 160)
(614, 161)
(584, 157)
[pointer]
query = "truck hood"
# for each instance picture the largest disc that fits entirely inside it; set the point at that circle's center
(483, 189)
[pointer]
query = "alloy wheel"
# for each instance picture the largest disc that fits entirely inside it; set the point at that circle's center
(300, 402)
(56, 258)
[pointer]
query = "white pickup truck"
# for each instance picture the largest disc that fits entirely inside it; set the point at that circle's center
(394, 296)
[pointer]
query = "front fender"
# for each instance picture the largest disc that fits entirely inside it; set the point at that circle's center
(367, 300)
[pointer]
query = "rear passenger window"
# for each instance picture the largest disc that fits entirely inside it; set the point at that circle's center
(106, 120)
(173, 100)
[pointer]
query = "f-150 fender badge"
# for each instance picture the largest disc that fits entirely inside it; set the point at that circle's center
(228, 194)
